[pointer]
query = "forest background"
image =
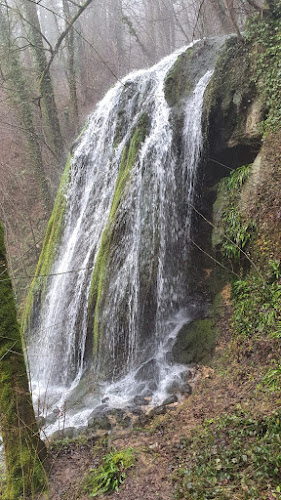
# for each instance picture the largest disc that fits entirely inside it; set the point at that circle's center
(57, 59)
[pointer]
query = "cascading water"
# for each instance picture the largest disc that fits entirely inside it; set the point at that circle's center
(125, 235)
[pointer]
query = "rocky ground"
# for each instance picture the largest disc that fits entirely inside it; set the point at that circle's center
(158, 440)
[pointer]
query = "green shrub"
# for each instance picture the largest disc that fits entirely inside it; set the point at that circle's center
(111, 474)
(272, 378)
(256, 305)
(237, 228)
(233, 456)
(264, 37)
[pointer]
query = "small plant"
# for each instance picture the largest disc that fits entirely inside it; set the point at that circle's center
(233, 456)
(272, 378)
(275, 268)
(237, 228)
(256, 306)
(238, 177)
(111, 474)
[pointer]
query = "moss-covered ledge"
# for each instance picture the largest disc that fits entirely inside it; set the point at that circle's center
(49, 249)
(109, 240)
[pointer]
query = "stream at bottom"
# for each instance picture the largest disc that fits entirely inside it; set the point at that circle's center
(87, 404)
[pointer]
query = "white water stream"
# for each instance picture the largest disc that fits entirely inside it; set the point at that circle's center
(150, 250)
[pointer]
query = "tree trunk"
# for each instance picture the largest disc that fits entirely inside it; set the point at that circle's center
(25, 453)
(71, 72)
(50, 113)
(20, 97)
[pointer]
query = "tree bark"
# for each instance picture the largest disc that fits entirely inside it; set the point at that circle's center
(25, 453)
(50, 114)
(20, 98)
(71, 72)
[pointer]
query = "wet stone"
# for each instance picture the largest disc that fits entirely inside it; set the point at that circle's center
(186, 389)
(101, 410)
(140, 401)
(99, 422)
(118, 413)
(152, 386)
(170, 400)
(67, 433)
(148, 371)
(158, 410)
(186, 375)
(147, 393)
(169, 358)
(174, 386)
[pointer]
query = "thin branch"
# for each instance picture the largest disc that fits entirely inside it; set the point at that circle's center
(62, 37)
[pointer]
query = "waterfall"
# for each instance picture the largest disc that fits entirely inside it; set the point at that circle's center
(127, 225)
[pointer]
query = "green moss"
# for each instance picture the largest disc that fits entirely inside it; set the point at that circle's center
(230, 93)
(177, 82)
(24, 470)
(196, 340)
(263, 36)
(50, 245)
(218, 210)
(84, 128)
(99, 278)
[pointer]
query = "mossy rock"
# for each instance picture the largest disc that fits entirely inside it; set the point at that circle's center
(232, 104)
(110, 240)
(218, 210)
(189, 67)
(196, 340)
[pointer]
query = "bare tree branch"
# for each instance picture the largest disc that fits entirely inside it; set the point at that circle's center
(62, 37)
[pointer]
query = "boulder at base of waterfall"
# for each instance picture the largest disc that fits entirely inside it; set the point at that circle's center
(186, 375)
(186, 389)
(118, 413)
(174, 386)
(98, 419)
(170, 400)
(99, 422)
(67, 433)
(158, 410)
(140, 401)
(196, 340)
(148, 371)
(147, 393)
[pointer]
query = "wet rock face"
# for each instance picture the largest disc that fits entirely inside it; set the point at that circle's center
(96, 422)
(149, 371)
(233, 110)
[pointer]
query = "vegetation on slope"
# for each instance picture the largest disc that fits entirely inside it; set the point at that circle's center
(237, 454)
